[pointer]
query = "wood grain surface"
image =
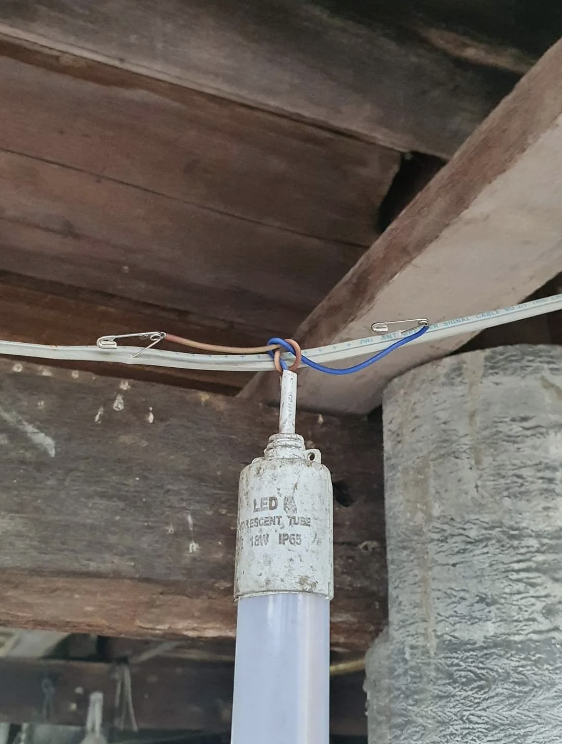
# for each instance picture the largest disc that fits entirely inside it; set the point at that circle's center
(118, 506)
(304, 59)
(134, 187)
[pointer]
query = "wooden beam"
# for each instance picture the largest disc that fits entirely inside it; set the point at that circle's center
(50, 313)
(117, 183)
(194, 148)
(485, 233)
(118, 506)
(166, 695)
(294, 57)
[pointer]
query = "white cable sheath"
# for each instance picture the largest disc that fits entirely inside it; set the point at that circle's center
(262, 362)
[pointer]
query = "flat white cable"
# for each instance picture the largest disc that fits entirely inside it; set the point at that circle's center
(263, 363)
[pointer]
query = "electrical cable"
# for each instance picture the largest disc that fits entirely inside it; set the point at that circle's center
(220, 349)
(285, 343)
(261, 362)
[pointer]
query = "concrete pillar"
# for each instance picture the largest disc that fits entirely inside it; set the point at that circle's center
(473, 471)
(377, 688)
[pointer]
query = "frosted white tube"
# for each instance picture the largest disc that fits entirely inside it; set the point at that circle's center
(282, 673)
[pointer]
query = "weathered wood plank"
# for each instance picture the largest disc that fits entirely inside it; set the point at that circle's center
(165, 695)
(485, 233)
(195, 148)
(296, 57)
(52, 313)
(63, 224)
(135, 187)
(118, 506)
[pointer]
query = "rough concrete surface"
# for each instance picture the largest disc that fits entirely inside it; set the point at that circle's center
(473, 461)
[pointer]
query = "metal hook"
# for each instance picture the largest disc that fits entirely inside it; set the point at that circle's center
(384, 327)
(110, 342)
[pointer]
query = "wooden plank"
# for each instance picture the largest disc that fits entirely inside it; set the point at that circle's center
(299, 58)
(118, 506)
(52, 313)
(515, 33)
(166, 695)
(160, 194)
(485, 233)
(89, 231)
(194, 148)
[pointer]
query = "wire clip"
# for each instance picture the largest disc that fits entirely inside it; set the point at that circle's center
(110, 342)
(384, 327)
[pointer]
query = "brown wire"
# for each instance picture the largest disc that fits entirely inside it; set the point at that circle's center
(298, 356)
(221, 349)
(243, 350)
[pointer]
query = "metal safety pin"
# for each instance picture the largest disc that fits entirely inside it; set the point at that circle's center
(384, 327)
(110, 342)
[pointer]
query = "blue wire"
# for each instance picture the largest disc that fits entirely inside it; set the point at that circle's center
(347, 370)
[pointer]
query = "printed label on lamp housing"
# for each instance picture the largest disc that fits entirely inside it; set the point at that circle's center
(285, 514)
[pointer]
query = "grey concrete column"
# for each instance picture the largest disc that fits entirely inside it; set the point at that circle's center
(377, 687)
(473, 463)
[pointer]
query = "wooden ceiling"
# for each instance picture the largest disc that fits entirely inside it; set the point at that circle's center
(170, 197)
(228, 171)
(212, 169)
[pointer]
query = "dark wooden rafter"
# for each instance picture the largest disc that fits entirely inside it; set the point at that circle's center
(166, 694)
(196, 149)
(301, 59)
(167, 196)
